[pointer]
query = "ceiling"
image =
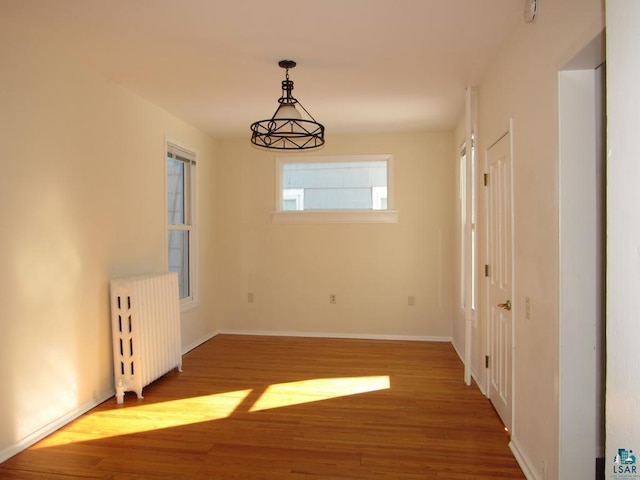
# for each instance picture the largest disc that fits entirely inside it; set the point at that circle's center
(363, 65)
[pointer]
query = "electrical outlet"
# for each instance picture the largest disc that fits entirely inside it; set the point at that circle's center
(332, 298)
(411, 300)
(527, 308)
(250, 297)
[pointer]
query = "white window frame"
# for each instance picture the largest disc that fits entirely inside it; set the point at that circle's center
(390, 215)
(191, 222)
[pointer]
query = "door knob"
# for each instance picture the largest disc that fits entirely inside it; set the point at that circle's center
(506, 305)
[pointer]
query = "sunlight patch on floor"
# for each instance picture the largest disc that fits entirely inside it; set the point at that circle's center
(294, 393)
(146, 417)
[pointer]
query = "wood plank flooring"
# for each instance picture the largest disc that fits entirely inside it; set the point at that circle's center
(287, 408)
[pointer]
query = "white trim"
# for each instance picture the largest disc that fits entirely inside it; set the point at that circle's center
(56, 424)
(363, 336)
(486, 311)
(335, 216)
(516, 308)
(523, 461)
(476, 378)
(186, 305)
(457, 349)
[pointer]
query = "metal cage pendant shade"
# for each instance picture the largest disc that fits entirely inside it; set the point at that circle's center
(286, 129)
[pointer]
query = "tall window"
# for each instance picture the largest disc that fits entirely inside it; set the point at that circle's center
(468, 226)
(472, 223)
(464, 253)
(181, 171)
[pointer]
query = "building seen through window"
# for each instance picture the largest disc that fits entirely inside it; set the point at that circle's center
(357, 185)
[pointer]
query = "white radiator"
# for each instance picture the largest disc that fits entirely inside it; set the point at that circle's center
(145, 317)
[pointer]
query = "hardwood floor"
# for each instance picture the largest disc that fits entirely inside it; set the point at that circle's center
(263, 408)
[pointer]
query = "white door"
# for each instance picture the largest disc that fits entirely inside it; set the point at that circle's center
(500, 323)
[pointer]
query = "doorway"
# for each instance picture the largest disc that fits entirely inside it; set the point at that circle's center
(582, 184)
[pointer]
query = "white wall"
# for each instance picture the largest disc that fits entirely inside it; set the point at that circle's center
(82, 194)
(372, 268)
(522, 83)
(623, 271)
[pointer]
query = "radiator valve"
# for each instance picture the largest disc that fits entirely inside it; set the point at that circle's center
(119, 391)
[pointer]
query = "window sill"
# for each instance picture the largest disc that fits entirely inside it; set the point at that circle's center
(188, 304)
(335, 216)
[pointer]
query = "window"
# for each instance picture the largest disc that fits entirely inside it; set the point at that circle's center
(181, 171)
(467, 199)
(334, 189)
(472, 226)
(463, 226)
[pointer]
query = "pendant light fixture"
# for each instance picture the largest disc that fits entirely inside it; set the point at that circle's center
(286, 129)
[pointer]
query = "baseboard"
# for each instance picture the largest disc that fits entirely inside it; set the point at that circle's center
(198, 342)
(474, 375)
(53, 426)
(454, 344)
(478, 381)
(362, 336)
(525, 464)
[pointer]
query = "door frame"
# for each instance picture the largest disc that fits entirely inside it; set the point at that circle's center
(486, 311)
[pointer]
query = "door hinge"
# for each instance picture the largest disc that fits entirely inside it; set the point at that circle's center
(486, 361)
(486, 179)
(486, 270)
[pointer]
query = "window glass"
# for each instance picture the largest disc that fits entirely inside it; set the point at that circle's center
(179, 258)
(176, 191)
(344, 185)
(180, 218)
